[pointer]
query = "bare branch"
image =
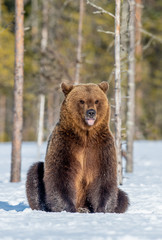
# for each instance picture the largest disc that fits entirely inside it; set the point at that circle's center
(101, 10)
(111, 45)
(151, 35)
(27, 28)
(107, 32)
(148, 44)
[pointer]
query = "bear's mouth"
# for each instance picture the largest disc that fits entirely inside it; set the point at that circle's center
(90, 121)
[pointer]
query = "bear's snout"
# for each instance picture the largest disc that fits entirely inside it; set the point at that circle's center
(90, 117)
(91, 113)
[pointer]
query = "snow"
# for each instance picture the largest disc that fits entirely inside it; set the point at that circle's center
(142, 221)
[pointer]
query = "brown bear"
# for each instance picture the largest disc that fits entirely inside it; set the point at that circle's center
(80, 169)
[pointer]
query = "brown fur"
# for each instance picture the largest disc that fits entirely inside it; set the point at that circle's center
(80, 169)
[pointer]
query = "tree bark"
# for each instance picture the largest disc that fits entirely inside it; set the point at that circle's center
(41, 121)
(79, 48)
(44, 42)
(124, 55)
(138, 54)
(131, 89)
(50, 113)
(44, 37)
(124, 33)
(18, 92)
(118, 90)
(56, 106)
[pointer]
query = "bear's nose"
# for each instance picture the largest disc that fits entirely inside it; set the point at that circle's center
(91, 113)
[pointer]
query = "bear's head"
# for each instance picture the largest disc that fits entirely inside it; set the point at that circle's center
(85, 105)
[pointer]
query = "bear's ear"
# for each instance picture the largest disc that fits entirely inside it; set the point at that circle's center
(66, 88)
(104, 86)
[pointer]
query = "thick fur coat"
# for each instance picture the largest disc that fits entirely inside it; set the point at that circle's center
(80, 169)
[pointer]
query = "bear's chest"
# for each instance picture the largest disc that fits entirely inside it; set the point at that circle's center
(88, 159)
(88, 162)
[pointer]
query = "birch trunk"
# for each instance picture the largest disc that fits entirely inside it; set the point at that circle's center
(118, 91)
(41, 122)
(50, 111)
(131, 89)
(138, 70)
(44, 37)
(79, 48)
(18, 92)
(124, 34)
(56, 107)
(44, 41)
(124, 54)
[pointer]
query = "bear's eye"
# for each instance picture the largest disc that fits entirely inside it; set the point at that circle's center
(96, 102)
(82, 102)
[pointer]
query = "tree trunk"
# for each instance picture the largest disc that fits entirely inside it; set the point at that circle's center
(35, 24)
(53, 109)
(131, 89)
(41, 122)
(79, 48)
(44, 37)
(18, 92)
(124, 55)
(138, 25)
(118, 91)
(44, 42)
(138, 76)
(2, 117)
(124, 34)
(50, 112)
(56, 106)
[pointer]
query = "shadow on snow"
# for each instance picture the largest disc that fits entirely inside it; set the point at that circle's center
(18, 208)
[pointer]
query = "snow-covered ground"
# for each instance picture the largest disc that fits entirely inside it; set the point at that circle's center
(142, 221)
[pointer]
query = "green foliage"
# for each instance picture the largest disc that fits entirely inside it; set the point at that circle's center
(6, 51)
(151, 122)
(6, 59)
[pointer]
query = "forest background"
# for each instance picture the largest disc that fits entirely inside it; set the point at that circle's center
(44, 71)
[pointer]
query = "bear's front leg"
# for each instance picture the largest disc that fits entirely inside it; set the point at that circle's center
(117, 202)
(60, 172)
(107, 200)
(107, 189)
(102, 198)
(60, 192)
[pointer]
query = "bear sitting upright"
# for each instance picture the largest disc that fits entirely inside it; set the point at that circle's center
(80, 169)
